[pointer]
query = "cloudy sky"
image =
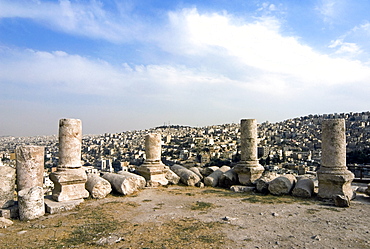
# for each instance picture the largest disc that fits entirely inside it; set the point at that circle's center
(123, 65)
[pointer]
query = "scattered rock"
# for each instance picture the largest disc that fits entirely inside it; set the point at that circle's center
(316, 237)
(242, 189)
(110, 240)
(4, 223)
(342, 201)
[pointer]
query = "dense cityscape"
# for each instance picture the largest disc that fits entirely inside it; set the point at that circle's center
(291, 145)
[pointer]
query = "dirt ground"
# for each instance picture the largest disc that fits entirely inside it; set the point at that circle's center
(190, 217)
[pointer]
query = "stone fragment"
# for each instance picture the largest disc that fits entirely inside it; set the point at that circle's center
(248, 169)
(262, 183)
(11, 212)
(304, 188)
(4, 223)
(342, 201)
(30, 166)
(228, 179)
(110, 240)
(334, 177)
(206, 171)
(153, 169)
(31, 203)
(125, 183)
(242, 189)
(97, 186)
(53, 207)
(69, 179)
(212, 179)
(196, 171)
(7, 186)
(282, 185)
(172, 177)
(187, 176)
(367, 191)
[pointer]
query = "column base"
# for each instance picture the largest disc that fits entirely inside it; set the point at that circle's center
(69, 184)
(334, 183)
(155, 173)
(249, 172)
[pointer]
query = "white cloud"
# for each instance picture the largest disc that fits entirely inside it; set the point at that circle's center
(345, 48)
(260, 47)
(78, 18)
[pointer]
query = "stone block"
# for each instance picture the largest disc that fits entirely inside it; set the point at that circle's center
(52, 206)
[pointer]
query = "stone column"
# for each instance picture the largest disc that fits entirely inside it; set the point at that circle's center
(30, 166)
(248, 169)
(334, 177)
(69, 179)
(7, 186)
(153, 170)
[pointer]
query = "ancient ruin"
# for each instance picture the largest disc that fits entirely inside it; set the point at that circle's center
(334, 177)
(30, 166)
(69, 180)
(7, 186)
(249, 169)
(153, 170)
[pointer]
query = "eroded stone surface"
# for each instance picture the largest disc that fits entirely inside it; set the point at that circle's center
(31, 203)
(97, 186)
(282, 185)
(69, 180)
(125, 183)
(333, 175)
(30, 166)
(7, 186)
(153, 169)
(248, 169)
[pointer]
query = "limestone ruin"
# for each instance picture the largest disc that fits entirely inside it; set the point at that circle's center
(153, 170)
(249, 169)
(333, 175)
(69, 180)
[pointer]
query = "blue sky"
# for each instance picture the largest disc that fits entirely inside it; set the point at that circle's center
(130, 65)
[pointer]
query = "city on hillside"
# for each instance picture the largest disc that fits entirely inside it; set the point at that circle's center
(290, 146)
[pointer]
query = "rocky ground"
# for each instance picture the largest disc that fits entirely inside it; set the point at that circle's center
(189, 217)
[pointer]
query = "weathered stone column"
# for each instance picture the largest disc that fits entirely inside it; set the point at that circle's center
(248, 169)
(7, 186)
(334, 177)
(69, 180)
(31, 203)
(30, 166)
(153, 170)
